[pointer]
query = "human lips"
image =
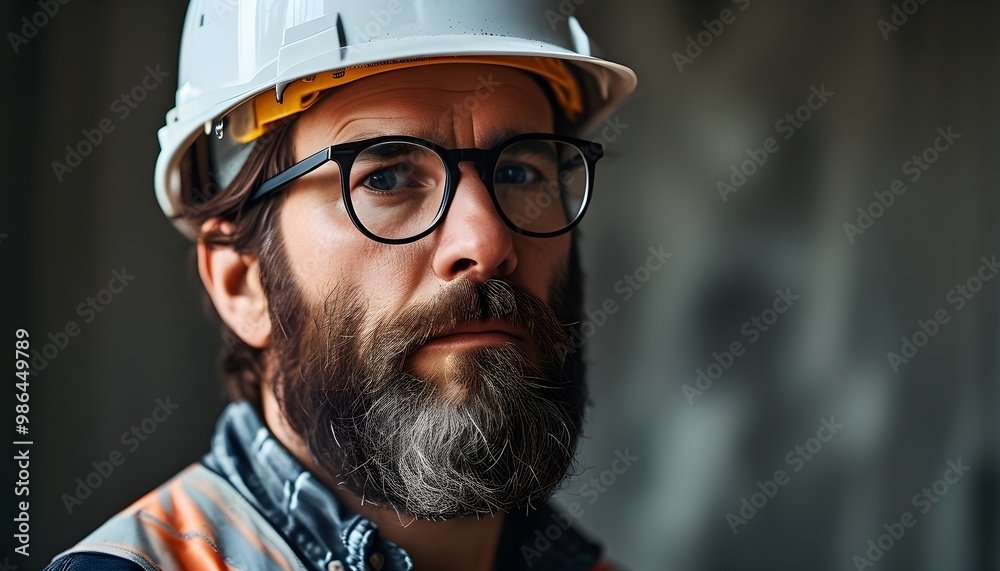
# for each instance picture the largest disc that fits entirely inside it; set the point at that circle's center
(475, 333)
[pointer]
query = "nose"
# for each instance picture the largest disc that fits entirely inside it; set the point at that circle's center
(474, 242)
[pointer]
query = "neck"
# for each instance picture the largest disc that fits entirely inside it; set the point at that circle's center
(463, 543)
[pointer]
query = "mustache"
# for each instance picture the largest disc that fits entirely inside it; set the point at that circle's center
(395, 338)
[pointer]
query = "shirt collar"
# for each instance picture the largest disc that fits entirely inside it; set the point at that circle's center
(322, 531)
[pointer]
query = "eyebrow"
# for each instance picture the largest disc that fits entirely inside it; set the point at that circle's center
(429, 134)
(499, 137)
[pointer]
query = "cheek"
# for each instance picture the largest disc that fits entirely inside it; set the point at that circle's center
(390, 276)
(540, 260)
(326, 251)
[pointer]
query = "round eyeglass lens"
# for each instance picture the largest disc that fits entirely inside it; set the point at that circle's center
(397, 189)
(541, 185)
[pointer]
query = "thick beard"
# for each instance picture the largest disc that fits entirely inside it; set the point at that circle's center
(397, 440)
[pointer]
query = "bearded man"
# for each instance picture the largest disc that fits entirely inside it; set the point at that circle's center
(383, 201)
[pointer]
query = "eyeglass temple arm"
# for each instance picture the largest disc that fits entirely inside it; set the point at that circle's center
(297, 170)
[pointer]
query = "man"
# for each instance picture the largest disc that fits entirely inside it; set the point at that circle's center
(383, 201)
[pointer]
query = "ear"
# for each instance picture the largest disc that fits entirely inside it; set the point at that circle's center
(233, 282)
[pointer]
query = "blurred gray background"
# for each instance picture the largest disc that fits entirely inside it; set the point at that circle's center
(697, 458)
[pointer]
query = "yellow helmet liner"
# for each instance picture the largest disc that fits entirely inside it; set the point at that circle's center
(253, 118)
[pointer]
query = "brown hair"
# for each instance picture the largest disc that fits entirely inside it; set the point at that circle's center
(254, 232)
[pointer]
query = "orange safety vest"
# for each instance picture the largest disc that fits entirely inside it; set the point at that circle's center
(251, 506)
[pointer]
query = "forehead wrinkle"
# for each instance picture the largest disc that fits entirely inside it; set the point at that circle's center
(326, 123)
(341, 129)
(425, 84)
(432, 133)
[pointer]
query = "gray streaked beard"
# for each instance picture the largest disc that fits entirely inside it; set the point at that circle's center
(395, 439)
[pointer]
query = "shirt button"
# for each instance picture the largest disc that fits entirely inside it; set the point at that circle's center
(334, 566)
(376, 561)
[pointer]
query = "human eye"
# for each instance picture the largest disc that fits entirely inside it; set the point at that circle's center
(528, 163)
(393, 169)
(516, 174)
(390, 180)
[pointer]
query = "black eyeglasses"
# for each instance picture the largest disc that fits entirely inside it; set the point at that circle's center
(397, 189)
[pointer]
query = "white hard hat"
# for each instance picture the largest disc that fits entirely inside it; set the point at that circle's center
(254, 61)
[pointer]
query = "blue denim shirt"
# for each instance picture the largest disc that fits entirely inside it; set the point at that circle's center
(325, 535)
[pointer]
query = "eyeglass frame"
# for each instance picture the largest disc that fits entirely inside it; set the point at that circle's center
(486, 161)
